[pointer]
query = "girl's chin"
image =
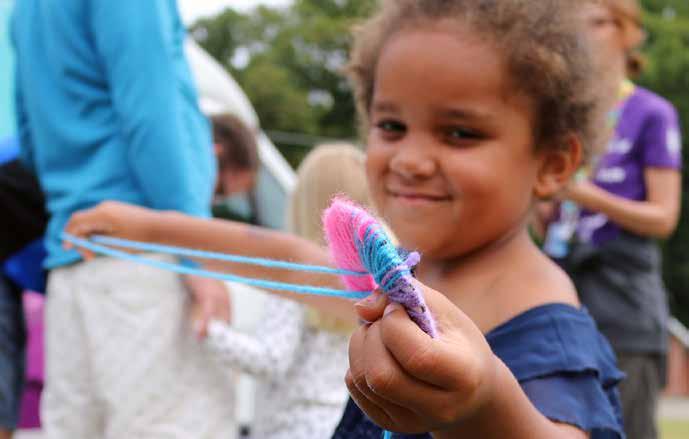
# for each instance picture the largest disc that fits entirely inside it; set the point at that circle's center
(414, 240)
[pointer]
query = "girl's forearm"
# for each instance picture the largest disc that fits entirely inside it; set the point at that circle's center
(217, 235)
(510, 414)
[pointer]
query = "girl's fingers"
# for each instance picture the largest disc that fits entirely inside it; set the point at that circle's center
(84, 224)
(377, 378)
(442, 309)
(430, 361)
(362, 367)
(388, 380)
(375, 413)
(371, 308)
(434, 361)
(385, 414)
(78, 223)
(88, 222)
(83, 231)
(86, 254)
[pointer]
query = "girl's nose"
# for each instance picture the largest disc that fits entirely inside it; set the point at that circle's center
(413, 159)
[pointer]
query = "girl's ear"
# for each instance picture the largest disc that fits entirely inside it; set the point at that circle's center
(556, 167)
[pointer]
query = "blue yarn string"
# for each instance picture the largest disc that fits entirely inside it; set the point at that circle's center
(380, 257)
(181, 269)
(387, 434)
(179, 251)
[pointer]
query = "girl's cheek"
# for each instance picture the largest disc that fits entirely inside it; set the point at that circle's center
(374, 176)
(374, 160)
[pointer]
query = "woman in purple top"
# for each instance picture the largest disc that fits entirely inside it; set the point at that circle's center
(632, 199)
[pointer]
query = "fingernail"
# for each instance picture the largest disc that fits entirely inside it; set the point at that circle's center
(390, 308)
(371, 300)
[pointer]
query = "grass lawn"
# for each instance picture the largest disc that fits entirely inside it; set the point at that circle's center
(672, 429)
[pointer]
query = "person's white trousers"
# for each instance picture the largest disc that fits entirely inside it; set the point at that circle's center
(122, 362)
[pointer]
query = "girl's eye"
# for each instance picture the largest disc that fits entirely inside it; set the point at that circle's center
(456, 134)
(599, 23)
(391, 128)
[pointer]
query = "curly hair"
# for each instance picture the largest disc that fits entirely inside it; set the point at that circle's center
(547, 58)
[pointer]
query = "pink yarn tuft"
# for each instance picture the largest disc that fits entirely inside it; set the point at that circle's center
(341, 222)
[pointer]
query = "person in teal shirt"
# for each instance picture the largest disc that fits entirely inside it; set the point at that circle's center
(107, 110)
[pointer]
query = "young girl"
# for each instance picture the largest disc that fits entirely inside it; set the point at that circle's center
(473, 110)
(300, 354)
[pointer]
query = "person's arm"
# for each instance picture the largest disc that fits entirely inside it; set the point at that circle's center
(209, 300)
(656, 217)
(270, 351)
(452, 385)
(174, 228)
(137, 42)
(659, 155)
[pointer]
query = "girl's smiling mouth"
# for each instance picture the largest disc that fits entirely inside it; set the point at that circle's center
(412, 196)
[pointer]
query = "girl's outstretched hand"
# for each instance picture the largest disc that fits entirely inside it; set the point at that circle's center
(407, 381)
(110, 218)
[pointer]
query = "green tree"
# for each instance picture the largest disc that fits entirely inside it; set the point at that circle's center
(289, 62)
(667, 7)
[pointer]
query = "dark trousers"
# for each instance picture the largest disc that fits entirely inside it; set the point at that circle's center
(12, 343)
(639, 393)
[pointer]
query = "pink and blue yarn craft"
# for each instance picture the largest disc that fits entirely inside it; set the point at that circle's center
(358, 243)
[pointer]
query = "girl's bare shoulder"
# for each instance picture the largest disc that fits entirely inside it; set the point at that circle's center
(536, 282)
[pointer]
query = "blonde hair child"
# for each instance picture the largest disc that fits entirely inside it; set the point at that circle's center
(299, 355)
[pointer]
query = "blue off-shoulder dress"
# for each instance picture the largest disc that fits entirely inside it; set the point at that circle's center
(564, 365)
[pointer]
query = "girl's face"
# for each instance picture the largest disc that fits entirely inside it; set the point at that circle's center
(450, 161)
(604, 32)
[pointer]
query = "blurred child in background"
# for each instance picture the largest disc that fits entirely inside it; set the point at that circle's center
(299, 355)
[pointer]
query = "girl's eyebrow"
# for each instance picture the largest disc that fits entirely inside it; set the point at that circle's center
(385, 107)
(463, 113)
(457, 113)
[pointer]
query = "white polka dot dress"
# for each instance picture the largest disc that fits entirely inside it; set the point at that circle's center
(301, 392)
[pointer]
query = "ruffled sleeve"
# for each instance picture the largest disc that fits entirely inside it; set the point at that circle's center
(565, 367)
